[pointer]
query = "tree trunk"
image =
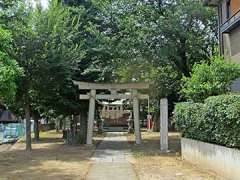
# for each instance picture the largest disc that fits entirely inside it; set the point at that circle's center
(36, 126)
(75, 136)
(184, 59)
(57, 124)
(83, 127)
(156, 120)
(61, 124)
(36, 130)
(28, 127)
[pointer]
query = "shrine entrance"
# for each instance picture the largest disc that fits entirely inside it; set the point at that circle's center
(128, 91)
(115, 114)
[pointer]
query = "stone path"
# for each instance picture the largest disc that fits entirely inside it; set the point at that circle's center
(111, 159)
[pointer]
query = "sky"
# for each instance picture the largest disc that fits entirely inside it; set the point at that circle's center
(43, 2)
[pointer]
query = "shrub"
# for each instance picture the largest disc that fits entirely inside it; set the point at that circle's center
(186, 118)
(217, 120)
(210, 79)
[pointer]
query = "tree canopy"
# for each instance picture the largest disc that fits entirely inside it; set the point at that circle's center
(9, 68)
(43, 49)
(210, 79)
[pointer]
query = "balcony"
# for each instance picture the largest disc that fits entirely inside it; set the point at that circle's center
(231, 23)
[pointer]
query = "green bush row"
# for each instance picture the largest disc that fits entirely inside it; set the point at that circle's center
(217, 120)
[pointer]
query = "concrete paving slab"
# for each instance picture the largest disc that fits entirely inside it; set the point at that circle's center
(110, 160)
(110, 171)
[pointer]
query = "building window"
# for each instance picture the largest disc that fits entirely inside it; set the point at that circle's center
(228, 8)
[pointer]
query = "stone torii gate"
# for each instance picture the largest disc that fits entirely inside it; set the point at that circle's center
(113, 88)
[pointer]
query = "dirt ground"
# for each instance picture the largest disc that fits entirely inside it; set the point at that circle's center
(150, 164)
(5, 147)
(52, 160)
(49, 160)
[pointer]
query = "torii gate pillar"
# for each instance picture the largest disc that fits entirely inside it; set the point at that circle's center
(164, 125)
(136, 117)
(91, 113)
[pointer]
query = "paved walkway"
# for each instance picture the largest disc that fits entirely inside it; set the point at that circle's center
(110, 160)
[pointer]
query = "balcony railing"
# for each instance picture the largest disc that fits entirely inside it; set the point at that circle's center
(231, 23)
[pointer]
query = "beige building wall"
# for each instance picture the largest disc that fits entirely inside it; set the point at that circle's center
(231, 40)
(235, 44)
(227, 45)
(231, 44)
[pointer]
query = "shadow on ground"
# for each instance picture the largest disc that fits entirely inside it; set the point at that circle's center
(49, 159)
(151, 145)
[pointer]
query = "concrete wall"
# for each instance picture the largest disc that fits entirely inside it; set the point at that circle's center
(227, 45)
(224, 161)
(236, 58)
(235, 41)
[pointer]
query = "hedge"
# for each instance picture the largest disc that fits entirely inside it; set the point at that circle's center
(217, 120)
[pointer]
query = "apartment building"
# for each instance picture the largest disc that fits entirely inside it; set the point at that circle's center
(229, 30)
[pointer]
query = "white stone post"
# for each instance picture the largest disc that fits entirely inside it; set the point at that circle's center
(136, 117)
(164, 125)
(91, 113)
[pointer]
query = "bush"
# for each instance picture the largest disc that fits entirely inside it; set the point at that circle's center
(210, 79)
(217, 120)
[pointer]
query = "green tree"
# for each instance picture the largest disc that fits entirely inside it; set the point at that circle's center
(188, 34)
(123, 33)
(9, 68)
(64, 50)
(155, 41)
(177, 33)
(45, 46)
(210, 79)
